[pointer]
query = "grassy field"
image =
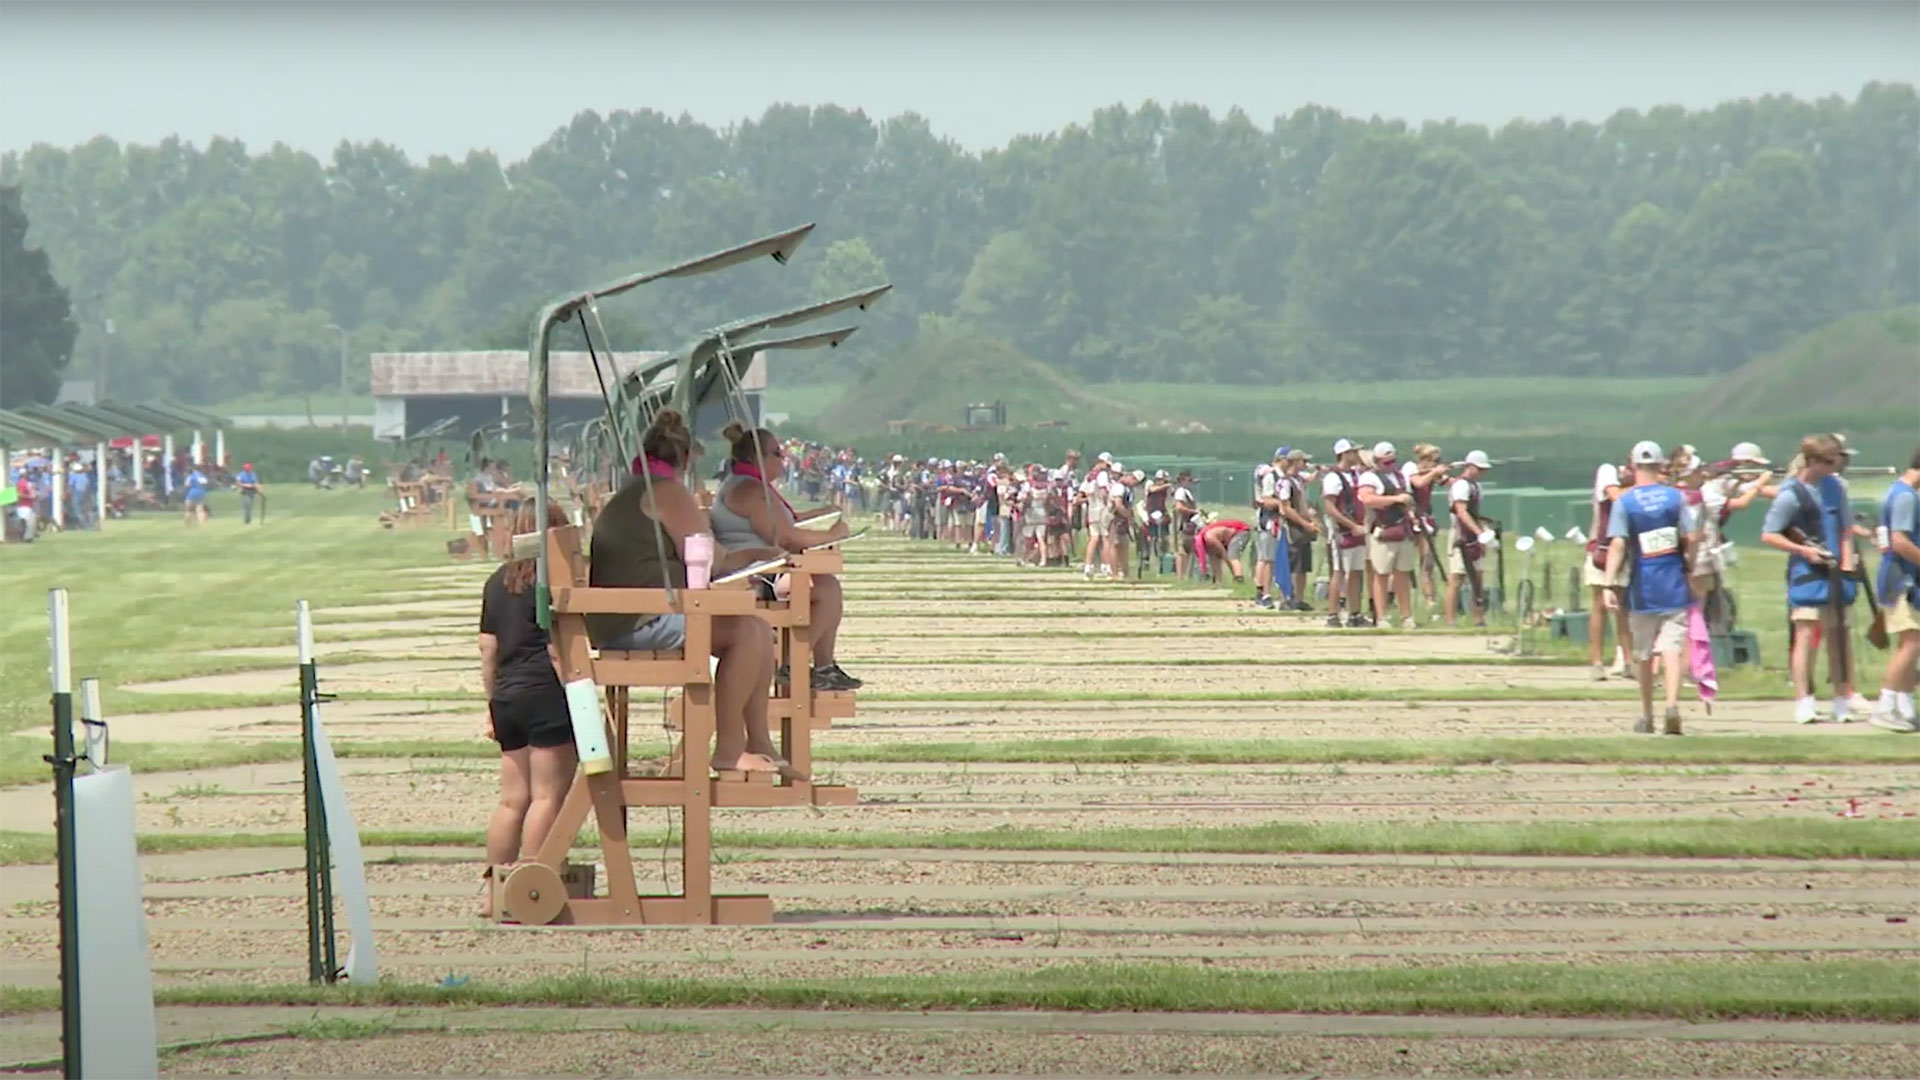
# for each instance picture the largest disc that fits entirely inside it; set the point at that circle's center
(1448, 831)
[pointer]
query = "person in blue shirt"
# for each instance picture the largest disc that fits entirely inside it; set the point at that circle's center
(1807, 505)
(79, 496)
(1647, 533)
(1898, 586)
(195, 483)
(249, 484)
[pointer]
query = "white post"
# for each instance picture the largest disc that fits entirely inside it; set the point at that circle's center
(166, 465)
(220, 448)
(199, 448)
(62, 666)
(59, 493)
(303, 624)
(138, 456)
(100, 486)
(94, 722)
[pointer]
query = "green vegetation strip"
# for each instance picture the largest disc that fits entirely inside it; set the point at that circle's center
(1862, 990)
(1758, 750)
(1790, 838)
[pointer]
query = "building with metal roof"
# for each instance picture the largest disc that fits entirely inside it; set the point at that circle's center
(412, 390)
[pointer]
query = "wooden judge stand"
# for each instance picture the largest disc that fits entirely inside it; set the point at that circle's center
(550, 890)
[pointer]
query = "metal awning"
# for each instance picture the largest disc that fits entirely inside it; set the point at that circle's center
(186, 416)
(83, 429)
(51, 432)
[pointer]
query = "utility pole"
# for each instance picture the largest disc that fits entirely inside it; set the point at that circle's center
(100, 376)
(343, 374)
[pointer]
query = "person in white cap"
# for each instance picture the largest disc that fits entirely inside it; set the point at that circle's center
(1606, 488)
(1464, 549)
(1390, 551)
(1646, 543)
(1346, 535)
(1095, 500)
(1725, 488)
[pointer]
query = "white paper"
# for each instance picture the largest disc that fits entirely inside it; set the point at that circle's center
(117, 1034)
(749, 571)
(824, 521)
(842, 540)
(349, 868)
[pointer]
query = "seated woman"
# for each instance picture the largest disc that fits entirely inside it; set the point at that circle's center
(629, 552)
(748, 511)
(526, 706)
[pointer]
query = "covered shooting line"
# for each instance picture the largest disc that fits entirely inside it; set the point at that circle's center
(89, 434)
(702, 381)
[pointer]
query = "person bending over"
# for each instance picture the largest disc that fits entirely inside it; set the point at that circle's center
(639, 542)
(749, 511)
(526, 706)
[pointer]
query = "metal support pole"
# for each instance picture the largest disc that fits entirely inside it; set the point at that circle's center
(166, 466)
(100, 486)
(63, 761)
(322, 965)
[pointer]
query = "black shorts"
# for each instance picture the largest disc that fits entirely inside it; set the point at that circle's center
(532, 718)
(1300, 554)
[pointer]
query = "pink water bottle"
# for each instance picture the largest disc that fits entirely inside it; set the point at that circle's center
(699, 560)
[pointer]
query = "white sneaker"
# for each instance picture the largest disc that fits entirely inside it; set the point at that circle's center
(1599, 673)
(1408, 623)
(1840, 713)
(1804, 712)
(1858, 705)
(1893, 721)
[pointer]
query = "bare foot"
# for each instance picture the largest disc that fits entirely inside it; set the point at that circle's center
(751, 763)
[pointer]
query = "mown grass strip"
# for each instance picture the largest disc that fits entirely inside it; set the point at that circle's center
(1784, 838)
(1859, 990)
(1758, 750)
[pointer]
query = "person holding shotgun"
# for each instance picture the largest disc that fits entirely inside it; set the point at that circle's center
(1812, 531)
(1426, 474)
(1898, 584)
(249, 484)
(1346, 536)
(1465, 551)
(1647, 545)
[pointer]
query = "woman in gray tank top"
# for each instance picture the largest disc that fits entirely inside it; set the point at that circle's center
(628, 552)
(748, 510)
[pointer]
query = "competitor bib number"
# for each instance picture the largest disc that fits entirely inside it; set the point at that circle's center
(1657, 542)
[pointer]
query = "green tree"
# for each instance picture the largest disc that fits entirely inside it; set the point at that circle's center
(36, 325)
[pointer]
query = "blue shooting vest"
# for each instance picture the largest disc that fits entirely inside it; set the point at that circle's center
(1818, 515)
(1656, 534)
(1898, 577)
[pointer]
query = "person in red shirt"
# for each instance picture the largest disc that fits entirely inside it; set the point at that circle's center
(1221, 540)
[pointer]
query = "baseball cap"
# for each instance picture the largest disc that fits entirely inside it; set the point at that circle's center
(1139, 474)
(1844, 448)
(1749, 452)
(1299, 455)
(1282, 452)
(248, 465)
(1342, 446)
(1648, 452)
(1160, 474)
(1104, 456)
(1382, 450)
(1479, 459)
(1262, 470)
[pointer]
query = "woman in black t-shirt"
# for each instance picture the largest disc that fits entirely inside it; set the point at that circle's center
(526, 708)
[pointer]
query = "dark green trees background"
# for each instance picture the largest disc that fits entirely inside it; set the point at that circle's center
(1151, 243)
(36, 328)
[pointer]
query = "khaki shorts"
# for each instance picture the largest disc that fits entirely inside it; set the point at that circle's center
(1387, 557)
(1348, 560)
(1822, 615)
(1901, 618)
(1664, 633)
(1457, 563)
(1597, 578)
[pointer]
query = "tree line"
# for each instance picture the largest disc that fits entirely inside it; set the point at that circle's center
(1155, 243)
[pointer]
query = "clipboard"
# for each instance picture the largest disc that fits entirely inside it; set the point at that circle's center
(745, 572)
(842, 540)
(824, 521)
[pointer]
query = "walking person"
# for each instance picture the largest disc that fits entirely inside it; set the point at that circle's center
(249, 484)
(1898, 582)
(1646, 545)
(1811, 530)
(196, 492)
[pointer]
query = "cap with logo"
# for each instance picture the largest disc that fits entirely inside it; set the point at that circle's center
(1104, 456)
(1844, 448)
(1479, 459)
(1343, 446)
(1648, 452)
(1749, 453)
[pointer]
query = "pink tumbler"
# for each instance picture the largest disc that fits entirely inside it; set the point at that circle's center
(699, 560)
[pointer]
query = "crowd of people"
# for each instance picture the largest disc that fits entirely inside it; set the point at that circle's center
(27, 504)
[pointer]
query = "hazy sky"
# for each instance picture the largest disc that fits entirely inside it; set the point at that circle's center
(445, 77)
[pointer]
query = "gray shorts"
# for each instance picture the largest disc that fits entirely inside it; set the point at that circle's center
(662, 633)
(1660, 632)
(1237, 546)
(1265, 546)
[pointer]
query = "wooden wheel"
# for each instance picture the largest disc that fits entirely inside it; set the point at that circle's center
(532, 894)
